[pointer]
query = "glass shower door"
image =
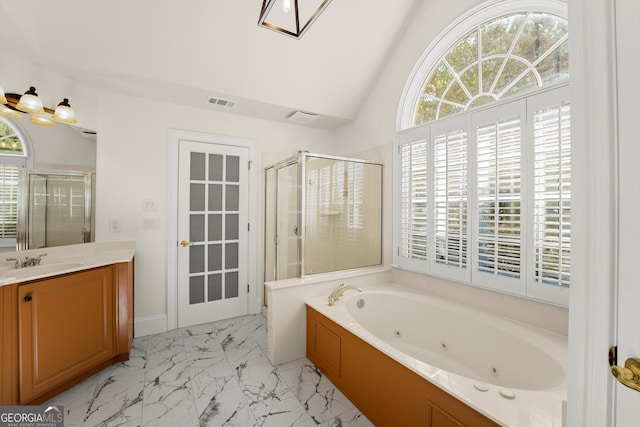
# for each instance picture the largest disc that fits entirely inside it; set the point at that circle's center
(282, 219)
(287, 208)
(56, 209)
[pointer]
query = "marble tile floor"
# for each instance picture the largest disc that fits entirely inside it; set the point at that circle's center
(214, 374)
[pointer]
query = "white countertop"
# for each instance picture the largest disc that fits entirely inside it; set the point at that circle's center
(64, 259)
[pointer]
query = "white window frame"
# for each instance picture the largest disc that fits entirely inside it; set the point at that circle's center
(451, 34)
(19, 161)
(524, 107)
(407, 132)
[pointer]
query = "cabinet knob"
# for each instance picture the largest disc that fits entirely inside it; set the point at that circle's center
(27, 298)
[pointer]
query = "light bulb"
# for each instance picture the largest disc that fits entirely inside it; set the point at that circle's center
(286, 5)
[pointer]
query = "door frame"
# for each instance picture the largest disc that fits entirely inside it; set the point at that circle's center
(594, 127)
(175, 136)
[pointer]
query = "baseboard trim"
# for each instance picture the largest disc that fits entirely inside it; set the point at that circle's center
(150, 325)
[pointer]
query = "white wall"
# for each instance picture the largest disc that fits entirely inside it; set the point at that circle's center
(371, 137)
(17, 75)
(131, 164)
(58, 148)
(132, 168)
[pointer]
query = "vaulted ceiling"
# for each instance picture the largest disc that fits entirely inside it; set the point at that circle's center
(186, 51)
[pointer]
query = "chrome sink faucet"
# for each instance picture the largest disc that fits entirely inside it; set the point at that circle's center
(335, 296)
(28, 261)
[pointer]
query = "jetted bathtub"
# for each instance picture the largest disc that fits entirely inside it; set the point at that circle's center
(513, 373)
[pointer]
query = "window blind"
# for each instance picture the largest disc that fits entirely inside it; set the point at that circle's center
(552, 196)
(450, 198)
(353, 193)
(412, 242)
(499, 197)
(9, 181)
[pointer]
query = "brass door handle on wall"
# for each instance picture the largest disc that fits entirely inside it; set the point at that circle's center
(184, 244)
(630, 374)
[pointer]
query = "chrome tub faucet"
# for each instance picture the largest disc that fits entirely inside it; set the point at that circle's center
(335, 296)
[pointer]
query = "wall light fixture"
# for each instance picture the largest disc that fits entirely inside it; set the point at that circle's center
(13, 105)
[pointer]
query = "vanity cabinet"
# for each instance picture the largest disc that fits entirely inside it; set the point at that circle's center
(385, 391)
(58, 331)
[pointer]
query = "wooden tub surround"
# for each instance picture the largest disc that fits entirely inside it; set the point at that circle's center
(386, 392)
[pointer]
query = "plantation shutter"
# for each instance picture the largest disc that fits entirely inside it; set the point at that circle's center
(552, 196)
(9, 181)
(450, 198)
(338, 204)
(412, 241)
(353, 193)
(498, 186)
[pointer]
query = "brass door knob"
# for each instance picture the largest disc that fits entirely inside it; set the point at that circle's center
(184, 244)
(630, 374)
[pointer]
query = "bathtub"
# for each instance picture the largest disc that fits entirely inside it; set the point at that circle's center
(513, 373)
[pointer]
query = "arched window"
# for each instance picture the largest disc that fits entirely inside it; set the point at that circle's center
(13, 157)
(10, 140)
(506, 56)
(483, 178)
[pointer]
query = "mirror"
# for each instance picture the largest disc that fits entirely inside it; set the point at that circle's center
(51, 156)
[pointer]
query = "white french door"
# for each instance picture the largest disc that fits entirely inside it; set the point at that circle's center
(212, 232)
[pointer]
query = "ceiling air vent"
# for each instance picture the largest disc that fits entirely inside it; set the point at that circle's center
(301, 117)
(221, 102)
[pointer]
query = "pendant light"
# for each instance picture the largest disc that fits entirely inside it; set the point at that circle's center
(292, 24)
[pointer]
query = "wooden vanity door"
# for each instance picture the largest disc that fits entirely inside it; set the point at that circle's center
(66, 327)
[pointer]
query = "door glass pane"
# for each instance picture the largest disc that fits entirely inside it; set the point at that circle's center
(233, 169)
(196, 198)
(215, 167)
(215, 257)
(232, 199)
(215, 227)
(231, 255)
(231, 285)
(214, 286)
(197, 166)
(196, 259)
(215, 197)
(196, 228)
(231, 227)
(196, 289)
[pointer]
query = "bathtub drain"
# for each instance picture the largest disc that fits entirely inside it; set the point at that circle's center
(360, 303)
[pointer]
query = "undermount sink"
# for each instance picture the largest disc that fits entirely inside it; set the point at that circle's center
(38, 270)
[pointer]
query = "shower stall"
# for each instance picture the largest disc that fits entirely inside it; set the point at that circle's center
(55, 208)
(322, 214)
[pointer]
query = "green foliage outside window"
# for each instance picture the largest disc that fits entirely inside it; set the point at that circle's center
(507, 56)
(9, 141)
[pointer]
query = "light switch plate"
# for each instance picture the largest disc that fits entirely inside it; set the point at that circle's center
(150, 205)
(115, 225)
(151, 223)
